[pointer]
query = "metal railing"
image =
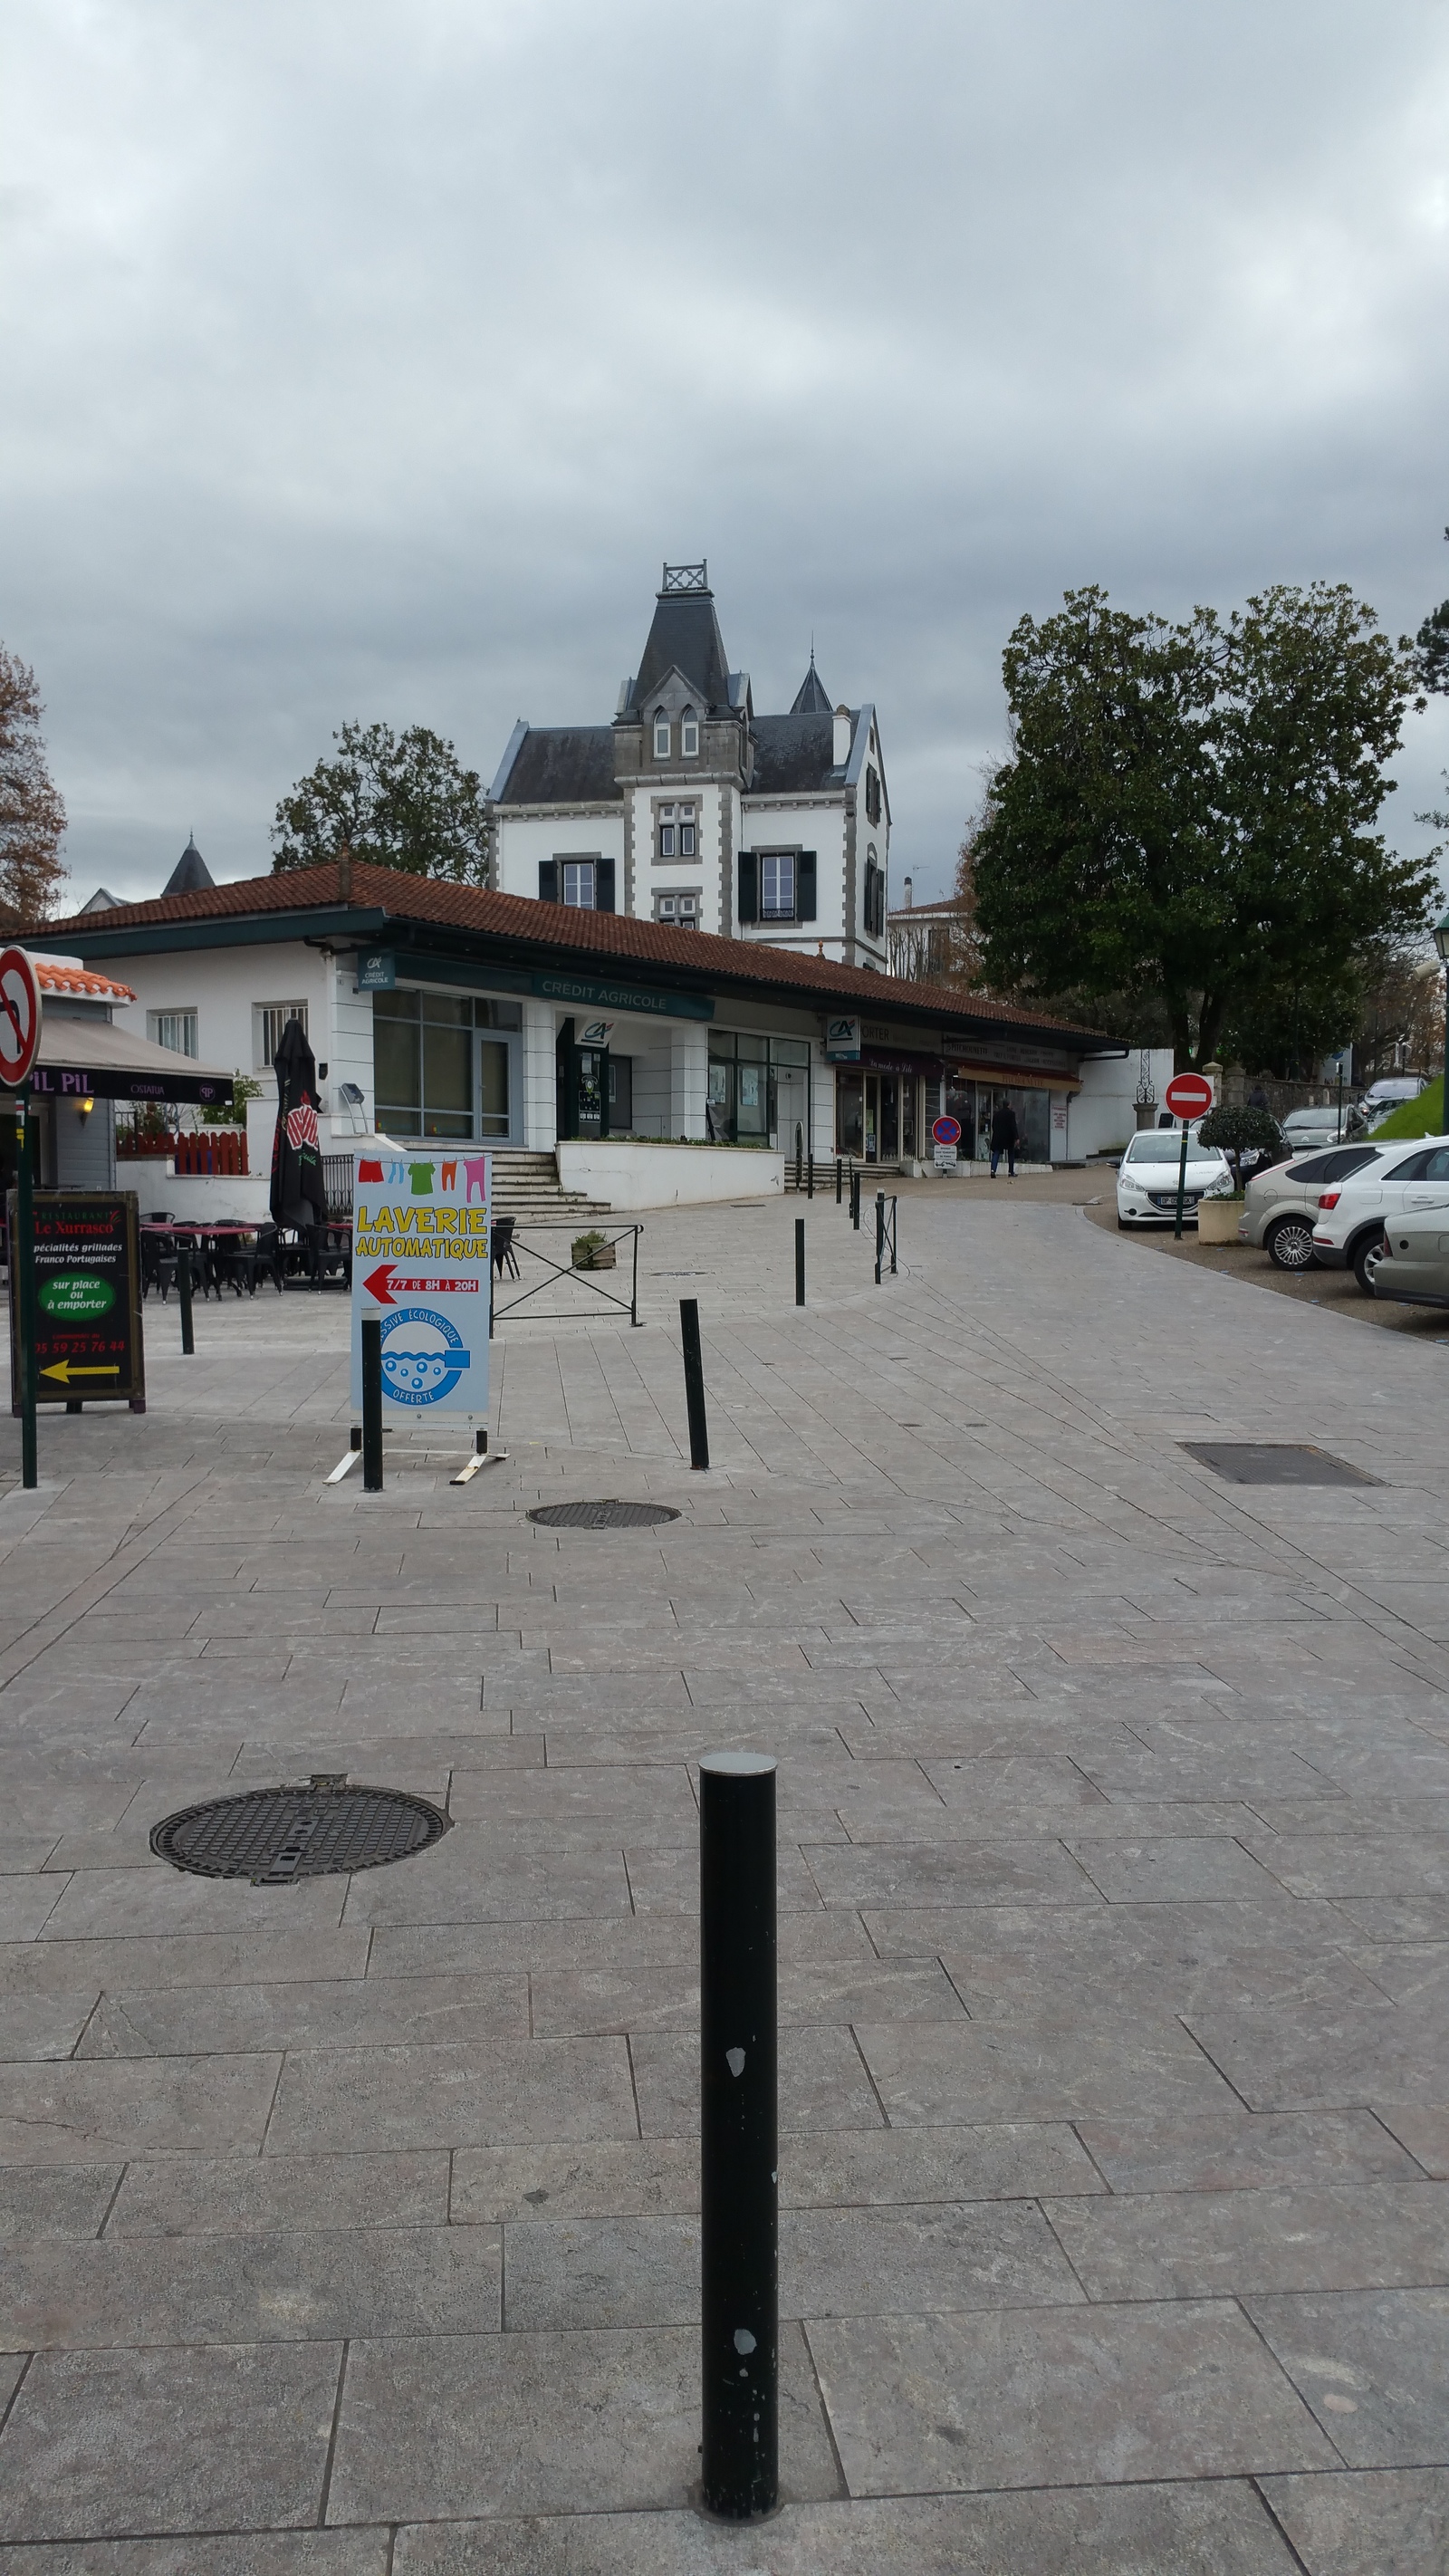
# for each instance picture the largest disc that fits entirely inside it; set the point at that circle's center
(517, 1245)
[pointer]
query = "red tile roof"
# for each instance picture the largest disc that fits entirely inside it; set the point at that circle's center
(78, 983)
(598, 934)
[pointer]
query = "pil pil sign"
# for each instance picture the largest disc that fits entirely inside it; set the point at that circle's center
(420, 1263)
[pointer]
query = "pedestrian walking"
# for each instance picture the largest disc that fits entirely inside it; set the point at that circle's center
(1005, 1137)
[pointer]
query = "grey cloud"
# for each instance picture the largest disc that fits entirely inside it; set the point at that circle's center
(367, 360)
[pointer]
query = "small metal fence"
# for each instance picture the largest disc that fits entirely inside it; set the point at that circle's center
(518, 1245)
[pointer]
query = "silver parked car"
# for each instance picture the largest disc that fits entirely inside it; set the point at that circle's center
(1413, 1266)
(1280, 1206)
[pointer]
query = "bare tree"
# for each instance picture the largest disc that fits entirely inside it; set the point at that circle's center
(32, 814)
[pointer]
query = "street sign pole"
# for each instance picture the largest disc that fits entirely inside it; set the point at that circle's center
(1181, 1185)
(23, 1254)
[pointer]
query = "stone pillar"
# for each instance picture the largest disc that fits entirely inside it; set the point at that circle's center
(688, 1078)
(540, 1088)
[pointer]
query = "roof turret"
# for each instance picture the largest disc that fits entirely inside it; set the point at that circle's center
(810, 697)
(191, 875)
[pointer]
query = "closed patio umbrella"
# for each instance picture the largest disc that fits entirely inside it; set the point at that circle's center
(298, 1194)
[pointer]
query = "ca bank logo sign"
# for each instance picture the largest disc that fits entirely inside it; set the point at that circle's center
(422, 1356)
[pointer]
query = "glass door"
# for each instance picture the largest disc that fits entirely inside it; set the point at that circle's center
(890, 1117)
(494, 1090)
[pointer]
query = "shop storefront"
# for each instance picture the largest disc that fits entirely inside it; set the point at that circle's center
(759, 1090)
(884, 1108)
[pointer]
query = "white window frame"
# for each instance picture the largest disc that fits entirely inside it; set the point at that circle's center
(688, 833)
(661, 737)
(158, 1022)
(689, 735)
(584, 873)
(783, 864)
(279, 1013)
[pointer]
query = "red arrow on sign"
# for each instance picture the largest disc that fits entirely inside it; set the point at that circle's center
(1189, 1095)
(384, 1284)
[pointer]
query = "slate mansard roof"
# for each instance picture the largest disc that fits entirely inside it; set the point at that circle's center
(574, 764)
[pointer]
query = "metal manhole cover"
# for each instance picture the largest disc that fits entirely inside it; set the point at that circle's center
(1276, 1462)
(602, 1515)
(275, 1836)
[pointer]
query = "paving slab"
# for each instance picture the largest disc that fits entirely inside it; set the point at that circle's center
(1372, 2364)
(188, 2438)
(1056, 2395)
(1366, 2522)
(461, 2425)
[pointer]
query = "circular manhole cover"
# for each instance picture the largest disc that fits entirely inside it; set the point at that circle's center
(602, 1515)
(274, 1836)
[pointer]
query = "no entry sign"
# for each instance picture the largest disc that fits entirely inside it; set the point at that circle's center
(19, 1017)
(1189, 1095)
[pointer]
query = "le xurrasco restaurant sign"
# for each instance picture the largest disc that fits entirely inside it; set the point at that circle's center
(87, 1298)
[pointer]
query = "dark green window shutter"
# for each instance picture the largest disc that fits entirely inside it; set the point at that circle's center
(604, 885)
(548, 880)
(805, 886)
(749, 886)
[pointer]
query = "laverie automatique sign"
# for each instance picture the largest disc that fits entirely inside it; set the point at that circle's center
(420, 1264)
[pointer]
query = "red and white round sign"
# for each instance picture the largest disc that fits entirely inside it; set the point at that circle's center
(19, 1017)
(1189, 1095)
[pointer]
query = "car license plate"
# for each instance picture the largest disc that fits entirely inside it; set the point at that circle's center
(1169, 1199)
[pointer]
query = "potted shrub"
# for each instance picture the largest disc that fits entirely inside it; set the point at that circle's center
(1235, 1132)
(592, 1252)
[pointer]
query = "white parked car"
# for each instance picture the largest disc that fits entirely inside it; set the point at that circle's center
(1384, 1096)
(1147, 1178)
(1351, 1219)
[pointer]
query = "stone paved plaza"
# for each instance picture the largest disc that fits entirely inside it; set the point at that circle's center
(352, 2227)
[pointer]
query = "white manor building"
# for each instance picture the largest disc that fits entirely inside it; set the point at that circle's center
(692, 810)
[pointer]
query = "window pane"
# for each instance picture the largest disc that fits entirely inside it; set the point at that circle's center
(447, 1080)
(493, 1086)
(443, 1011)
(666, 840)
(396, 1006)
(789, 1050)
(777, 887)
(686, 840)
(395, 1068)
(578, 884)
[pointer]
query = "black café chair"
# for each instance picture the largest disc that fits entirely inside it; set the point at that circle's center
(501, 1244)
(158, 1264)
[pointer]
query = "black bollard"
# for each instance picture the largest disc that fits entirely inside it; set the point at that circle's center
(694, 1381)
(183, 1294)
(855, 1198)
(810, 1174)
(879, 1233)
(372, 1404)
(799, 1261)
(839, 1175)
(739, 2254)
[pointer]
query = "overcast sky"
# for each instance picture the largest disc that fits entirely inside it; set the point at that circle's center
(367, 360)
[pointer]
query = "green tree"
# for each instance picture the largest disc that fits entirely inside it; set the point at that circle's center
(1431, 647)
(32, 816)
(399, 800)
(1185, 825)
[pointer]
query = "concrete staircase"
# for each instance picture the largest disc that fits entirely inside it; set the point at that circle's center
(527, 1185)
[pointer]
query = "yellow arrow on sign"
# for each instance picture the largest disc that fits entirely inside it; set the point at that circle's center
(65, 1371)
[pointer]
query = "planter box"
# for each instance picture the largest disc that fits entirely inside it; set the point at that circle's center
(1217, 1220)
(605, 1257)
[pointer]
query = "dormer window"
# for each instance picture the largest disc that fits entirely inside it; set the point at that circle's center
(689, 734)
(677, 838)
(661, 737)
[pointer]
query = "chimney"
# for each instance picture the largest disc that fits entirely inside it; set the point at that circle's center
(344, 873)
(840, 749)
(907, 884)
